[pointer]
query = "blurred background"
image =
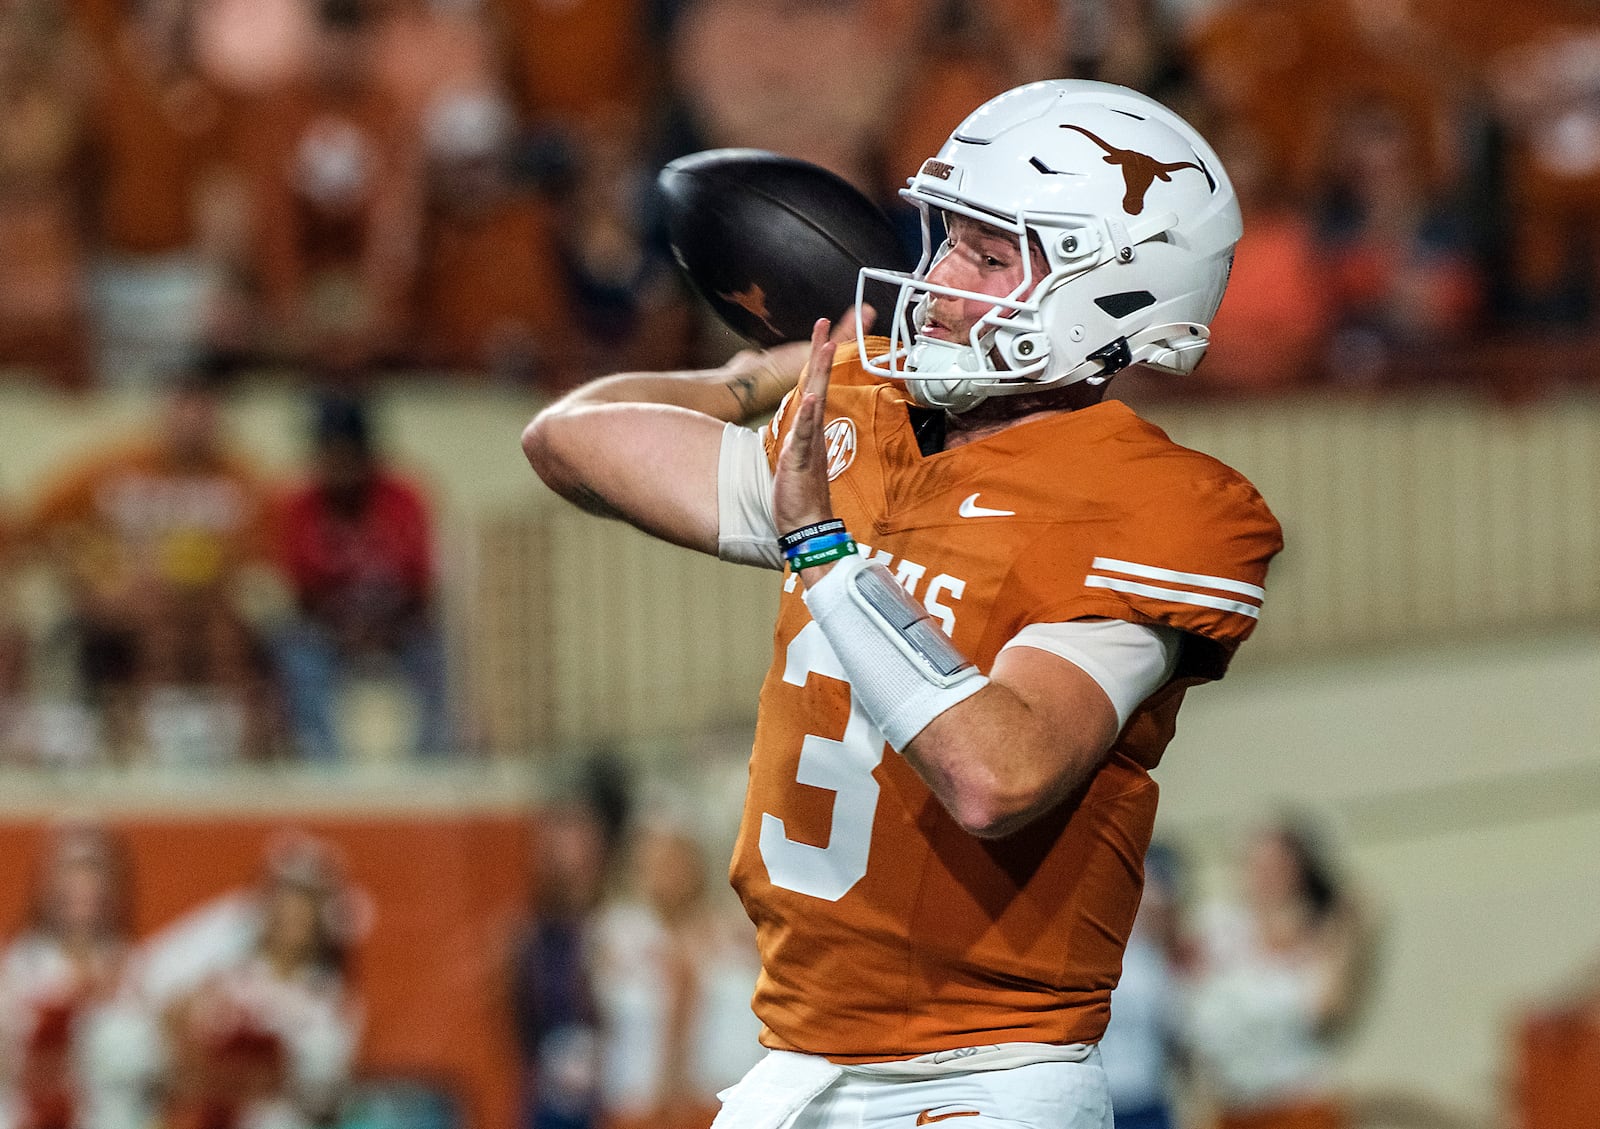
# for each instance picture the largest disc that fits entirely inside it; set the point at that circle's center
(347, 778)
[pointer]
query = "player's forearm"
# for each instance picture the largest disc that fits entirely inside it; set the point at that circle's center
(996, 765)
(644, 447)
(750, 385)
(997, 751)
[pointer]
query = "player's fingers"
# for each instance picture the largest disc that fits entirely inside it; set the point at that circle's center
(813, 427)
(819, 341)
(802, 452)
(803, 448)
(805, 418)
(807, 421)
(821, 369)
(820, 361)
(845, 329)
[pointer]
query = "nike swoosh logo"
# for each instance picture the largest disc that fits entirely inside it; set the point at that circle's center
(970, 508)
(928, 1117)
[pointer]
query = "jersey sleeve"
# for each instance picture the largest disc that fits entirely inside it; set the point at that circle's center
(1192, 555)
(1128, 661)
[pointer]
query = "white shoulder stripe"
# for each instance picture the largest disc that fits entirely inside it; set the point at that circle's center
(1199, 599)
(1198, 579)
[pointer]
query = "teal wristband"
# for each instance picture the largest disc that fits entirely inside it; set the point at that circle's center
(816, 544)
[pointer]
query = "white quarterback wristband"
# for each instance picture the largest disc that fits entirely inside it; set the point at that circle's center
(903, 670)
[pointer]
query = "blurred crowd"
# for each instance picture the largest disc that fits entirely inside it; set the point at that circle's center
(1232, 1010)
(619, 983)
(464, 187)
(236, 1016)
(631, 979)
(1239, 999)
(207, 614)
(619, 980)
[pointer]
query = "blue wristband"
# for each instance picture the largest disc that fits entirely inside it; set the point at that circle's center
(816, 544)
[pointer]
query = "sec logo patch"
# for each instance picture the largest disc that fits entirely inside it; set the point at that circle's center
(840, 436)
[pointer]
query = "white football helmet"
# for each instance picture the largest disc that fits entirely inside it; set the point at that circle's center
(1136, 220)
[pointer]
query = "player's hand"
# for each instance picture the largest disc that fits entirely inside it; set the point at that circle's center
(760, 378)
(800, 494)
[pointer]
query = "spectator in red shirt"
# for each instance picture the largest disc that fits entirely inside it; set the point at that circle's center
(357, 550)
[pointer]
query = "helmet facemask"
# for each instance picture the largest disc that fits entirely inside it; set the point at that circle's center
(1007, 351)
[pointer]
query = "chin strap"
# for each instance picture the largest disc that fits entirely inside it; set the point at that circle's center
(1175, 347)
(1112, 359)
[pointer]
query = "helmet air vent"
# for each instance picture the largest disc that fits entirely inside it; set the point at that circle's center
(1128, 302)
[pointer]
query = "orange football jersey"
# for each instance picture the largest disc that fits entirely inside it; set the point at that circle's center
(886, 931)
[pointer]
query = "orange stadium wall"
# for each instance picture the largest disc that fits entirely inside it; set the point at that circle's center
(446, 891)
(1557, 1084)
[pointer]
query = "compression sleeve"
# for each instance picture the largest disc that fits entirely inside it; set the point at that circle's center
(746, 530)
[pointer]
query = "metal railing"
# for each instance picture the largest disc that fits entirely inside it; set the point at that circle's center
(1406, 520)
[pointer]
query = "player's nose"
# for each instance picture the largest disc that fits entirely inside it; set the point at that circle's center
(945, 272)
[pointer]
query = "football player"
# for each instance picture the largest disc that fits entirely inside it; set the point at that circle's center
(999, 587)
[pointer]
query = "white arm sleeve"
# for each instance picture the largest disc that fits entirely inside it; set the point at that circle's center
(747, 533)
(1129, 661)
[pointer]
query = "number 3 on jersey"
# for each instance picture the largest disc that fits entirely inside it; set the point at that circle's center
(843, 767)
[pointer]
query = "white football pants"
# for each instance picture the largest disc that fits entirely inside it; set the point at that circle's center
(789, 1091)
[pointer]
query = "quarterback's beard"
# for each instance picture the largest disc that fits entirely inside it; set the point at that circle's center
(1006, 409)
